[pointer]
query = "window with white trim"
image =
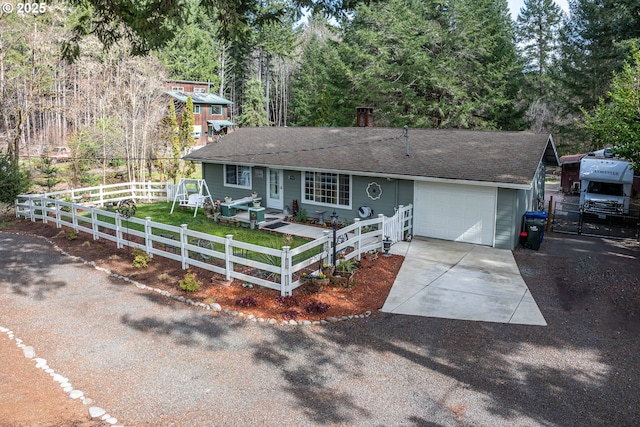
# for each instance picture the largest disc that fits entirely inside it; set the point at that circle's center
(177, 88)
(327, 188)
(196, 109)
(215, 109)
(198, 90)
(237, 176)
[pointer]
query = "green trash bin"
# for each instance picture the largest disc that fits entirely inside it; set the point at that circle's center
(533, 236)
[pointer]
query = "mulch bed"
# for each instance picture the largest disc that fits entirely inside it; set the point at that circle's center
(371, 282)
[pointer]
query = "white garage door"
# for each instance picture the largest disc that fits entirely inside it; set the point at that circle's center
(462, 213)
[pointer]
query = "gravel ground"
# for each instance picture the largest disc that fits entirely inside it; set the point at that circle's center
(152, 361)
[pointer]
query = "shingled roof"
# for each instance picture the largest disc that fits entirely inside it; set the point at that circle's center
(508, 158)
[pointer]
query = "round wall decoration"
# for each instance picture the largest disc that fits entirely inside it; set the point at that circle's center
(374, 191)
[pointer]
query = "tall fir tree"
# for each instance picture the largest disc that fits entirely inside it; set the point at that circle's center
(537, 30)
(253, 111)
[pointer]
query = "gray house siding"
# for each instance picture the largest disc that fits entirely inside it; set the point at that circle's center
(394, 192)
(511, 206)
(505, 218)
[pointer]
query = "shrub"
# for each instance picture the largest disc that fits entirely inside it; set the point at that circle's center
(247, 302)
(71, 234)
(301, 216)
(287, 301)
(316, 307)
(290, 315)
(189, 283)
(15, 180)
(140, 258)
(347, 266)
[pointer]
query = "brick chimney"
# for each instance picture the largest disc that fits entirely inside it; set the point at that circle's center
(364, 117)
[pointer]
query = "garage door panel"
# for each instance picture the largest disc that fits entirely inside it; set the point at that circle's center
(455, 212)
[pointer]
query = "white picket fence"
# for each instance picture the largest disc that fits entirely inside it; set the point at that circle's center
(399, 226)
(273, 268)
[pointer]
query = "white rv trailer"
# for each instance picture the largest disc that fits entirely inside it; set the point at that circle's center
(605, 185)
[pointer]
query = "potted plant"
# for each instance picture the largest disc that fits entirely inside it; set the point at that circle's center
(228, 199)
(253, 194)
(344, 274)
(306, 278)
(328, 269)
(256, 203)
(321, 279)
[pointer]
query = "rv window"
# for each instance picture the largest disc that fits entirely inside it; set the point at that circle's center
(609, 188)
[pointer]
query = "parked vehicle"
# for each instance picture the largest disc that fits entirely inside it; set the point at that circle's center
(605, 185)
(60, 154)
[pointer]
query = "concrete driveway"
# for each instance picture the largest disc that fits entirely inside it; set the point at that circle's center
(462, 281)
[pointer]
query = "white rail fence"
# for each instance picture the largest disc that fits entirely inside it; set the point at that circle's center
(274, 268)
(102, 195)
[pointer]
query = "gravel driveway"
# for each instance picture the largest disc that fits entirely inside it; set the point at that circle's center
(151, 361)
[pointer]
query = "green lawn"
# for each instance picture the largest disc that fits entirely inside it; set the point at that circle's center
(160, 212)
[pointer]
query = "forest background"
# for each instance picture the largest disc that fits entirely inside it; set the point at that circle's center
(89, 73)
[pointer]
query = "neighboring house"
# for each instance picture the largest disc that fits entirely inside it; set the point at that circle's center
(469, 186)
(210, 112)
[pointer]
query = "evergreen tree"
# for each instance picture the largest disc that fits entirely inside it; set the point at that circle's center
(321, 71)
(538, 29)
(393, 52)
(185, 135)
(482, 55)
(49, 174)
(588, 54)
(13, 180)
(167, 154)
(192, 54)
(253, 111)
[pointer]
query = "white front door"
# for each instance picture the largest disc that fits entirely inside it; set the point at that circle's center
(275, 198)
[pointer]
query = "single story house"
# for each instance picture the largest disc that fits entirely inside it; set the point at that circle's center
(468, 186)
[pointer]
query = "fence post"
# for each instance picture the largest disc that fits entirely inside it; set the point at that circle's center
(148, 240)
(94, 223)
(285, 272)
(118, 232)
(31, 210)
(183, 250)
(57, 205)
(101, 195)
(358, 233)
(43, 205)
(74, 216)
(228, 250)
(326, 248)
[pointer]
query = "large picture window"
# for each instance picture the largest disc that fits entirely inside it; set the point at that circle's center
(327, 188)
(237, 176)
